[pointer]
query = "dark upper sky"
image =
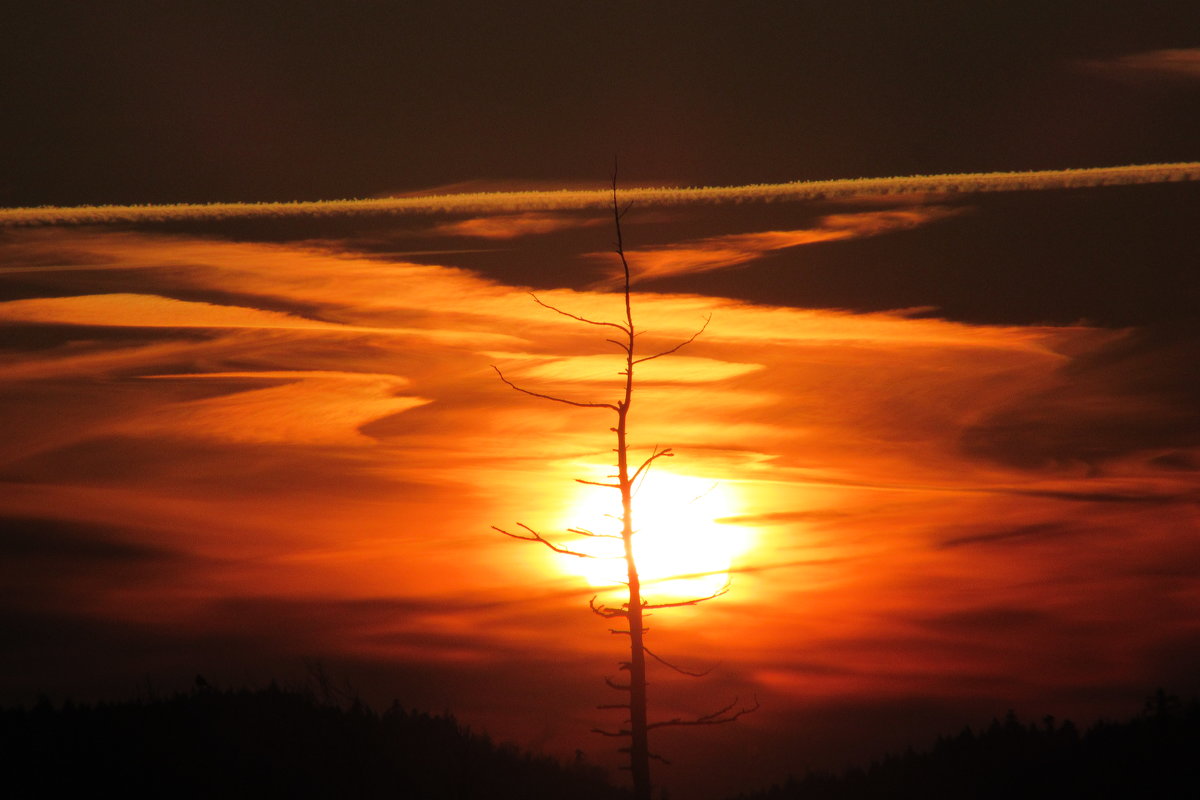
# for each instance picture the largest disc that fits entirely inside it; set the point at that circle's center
(127, 102)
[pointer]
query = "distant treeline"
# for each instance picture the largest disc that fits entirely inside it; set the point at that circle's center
(1155, 755)
(299, 743)
(270, 743)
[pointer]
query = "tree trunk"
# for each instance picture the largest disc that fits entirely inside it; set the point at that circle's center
(639, 748)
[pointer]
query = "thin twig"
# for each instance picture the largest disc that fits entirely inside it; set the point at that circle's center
(719, 717)
(695, 601)
(585, 531)
(664, 453)
(621, 345)
(557, 310)
(675, 667)
(537, 537)
(597, 483)
(611, 733)
(679, 346)
(605, 611)
(552, 397)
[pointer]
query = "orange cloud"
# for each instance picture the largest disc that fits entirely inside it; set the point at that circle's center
(302, 408)
(722, 252)
(512, 226)
(149, 311)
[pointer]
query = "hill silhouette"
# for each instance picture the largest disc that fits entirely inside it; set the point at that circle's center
(271, 742)
(1156, 755)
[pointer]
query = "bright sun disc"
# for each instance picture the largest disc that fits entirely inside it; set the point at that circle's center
(680, 548)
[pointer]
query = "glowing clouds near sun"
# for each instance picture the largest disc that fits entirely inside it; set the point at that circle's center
(905, 498)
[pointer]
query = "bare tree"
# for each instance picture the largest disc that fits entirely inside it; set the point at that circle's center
(634, 610)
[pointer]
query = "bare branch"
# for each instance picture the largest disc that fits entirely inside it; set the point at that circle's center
(679, 346)
(605, 611)
(695, 601)
(623, 345)
(657, 757)
(597, 483)
(664, 453)
(620, 687)
(619, 327)
(585, 532)
(612, 733)
(550, 396)
(731, 717)
(537, 537)
(611, 706)
(675, 667)
(719, 717)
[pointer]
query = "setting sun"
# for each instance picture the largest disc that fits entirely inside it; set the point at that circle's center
(680, 548)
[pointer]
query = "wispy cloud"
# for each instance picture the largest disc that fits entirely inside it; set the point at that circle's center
(564, 200)
(1180, 64)
(142, 310)
(512, 226)
(311, 407)
(721, 252)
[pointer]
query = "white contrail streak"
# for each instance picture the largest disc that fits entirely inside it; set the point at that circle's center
(569, 200)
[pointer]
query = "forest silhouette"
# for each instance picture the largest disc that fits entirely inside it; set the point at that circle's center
(1153, 755)
(298, 742)
(272, 742)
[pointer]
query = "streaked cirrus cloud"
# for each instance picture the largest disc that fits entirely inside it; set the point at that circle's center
(512, 226)
(734, 250)
(1180, 63)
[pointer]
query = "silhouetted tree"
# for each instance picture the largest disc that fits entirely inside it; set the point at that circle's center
(633, 610)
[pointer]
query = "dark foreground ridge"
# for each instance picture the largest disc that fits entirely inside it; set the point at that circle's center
(271, 743)
(289, 743)
(1155, 755)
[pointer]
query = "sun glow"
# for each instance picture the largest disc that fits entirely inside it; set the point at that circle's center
(680, 549)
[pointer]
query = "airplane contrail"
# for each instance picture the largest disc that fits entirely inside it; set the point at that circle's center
(572, 200)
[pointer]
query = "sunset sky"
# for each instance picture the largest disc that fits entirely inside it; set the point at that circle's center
(943, 437)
